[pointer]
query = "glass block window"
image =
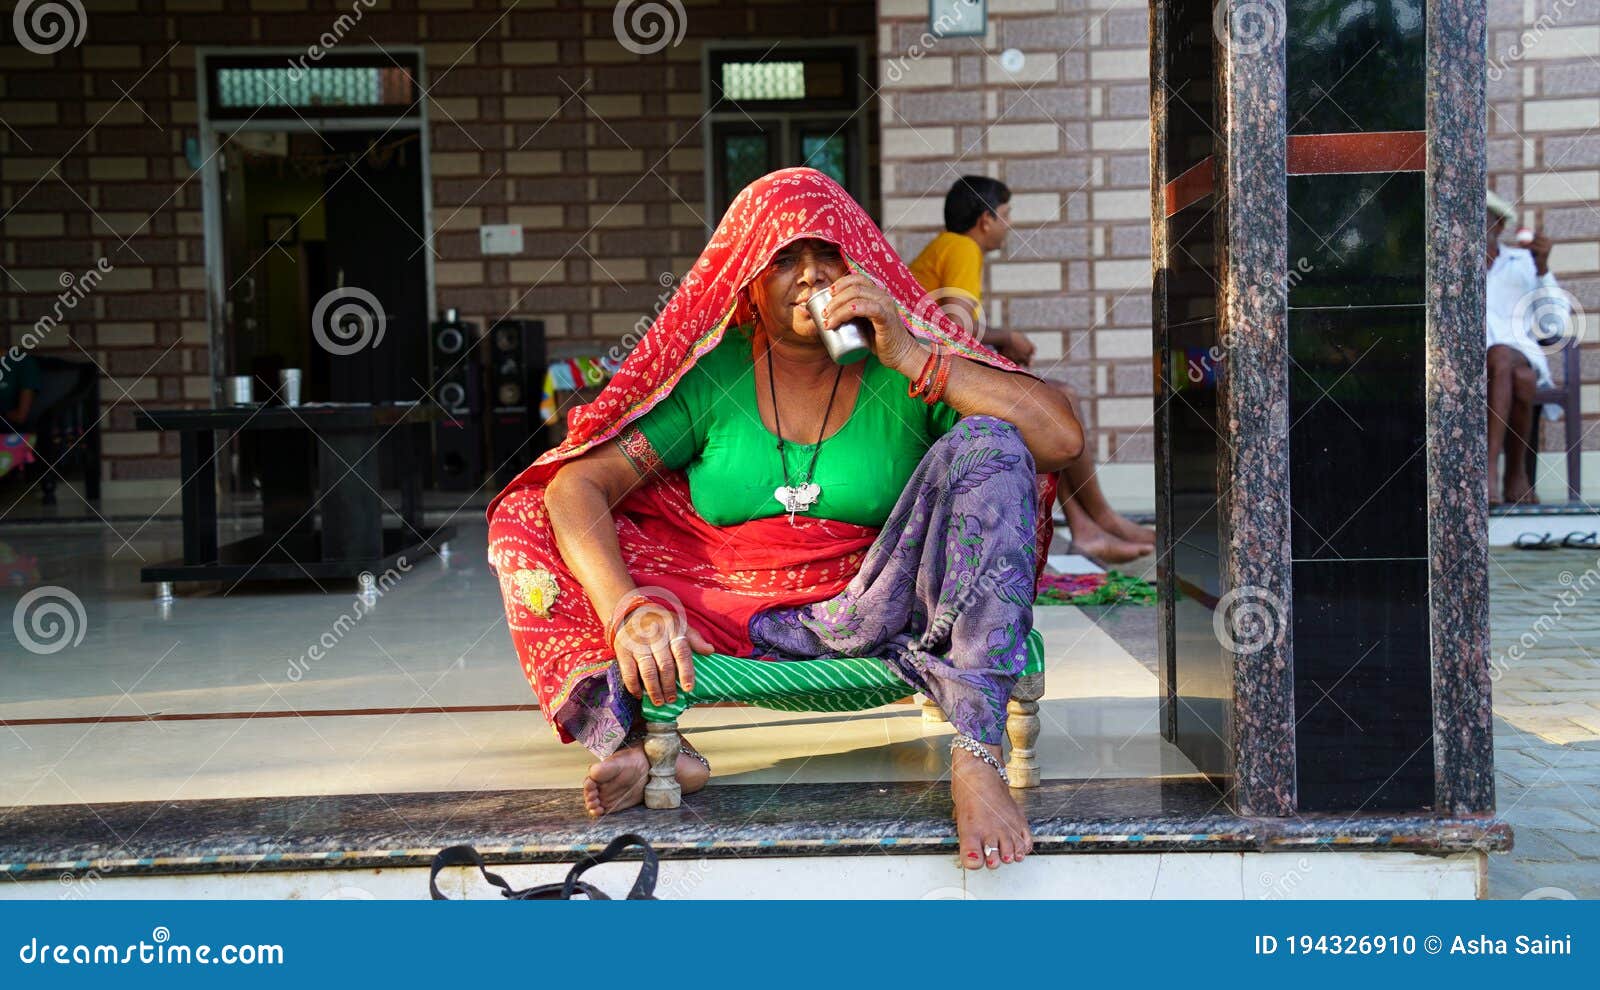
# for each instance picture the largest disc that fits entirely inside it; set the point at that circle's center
(255, 86)
(764, 80)
(287, 87)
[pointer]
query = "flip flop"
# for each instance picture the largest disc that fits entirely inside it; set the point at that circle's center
(1580, 541)
(1533, 541)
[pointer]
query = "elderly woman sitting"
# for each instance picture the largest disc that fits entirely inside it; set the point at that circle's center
(734, 490)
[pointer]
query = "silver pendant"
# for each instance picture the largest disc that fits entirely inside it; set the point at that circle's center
(797, 498)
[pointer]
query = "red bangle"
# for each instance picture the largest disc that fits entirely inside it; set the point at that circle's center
(621, 616)
(940, 379)
(925, 377)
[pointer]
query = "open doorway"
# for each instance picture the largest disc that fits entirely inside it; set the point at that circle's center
(316, 219)
(314, 213)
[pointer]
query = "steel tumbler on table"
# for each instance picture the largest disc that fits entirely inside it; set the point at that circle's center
(289, 386)
(847, 342)
(241, 390)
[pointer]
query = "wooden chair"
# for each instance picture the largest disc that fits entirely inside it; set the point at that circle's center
(1566, 393)
(831, 685)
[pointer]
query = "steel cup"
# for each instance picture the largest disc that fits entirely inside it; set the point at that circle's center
(847, 342)
(240, 389)
(289, 386)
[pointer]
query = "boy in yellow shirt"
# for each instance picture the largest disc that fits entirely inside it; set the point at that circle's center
(977, 216)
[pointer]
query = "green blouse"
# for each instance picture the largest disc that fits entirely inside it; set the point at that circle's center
(710, 427)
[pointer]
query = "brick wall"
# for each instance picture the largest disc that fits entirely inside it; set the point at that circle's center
(1544, 156)
(538, 116)
(89, 172)
(1068, 131)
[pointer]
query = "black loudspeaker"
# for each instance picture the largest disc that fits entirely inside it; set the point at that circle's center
(516, 384)
(457, 375)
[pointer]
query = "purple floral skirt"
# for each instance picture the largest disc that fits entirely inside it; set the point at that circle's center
(944, 596)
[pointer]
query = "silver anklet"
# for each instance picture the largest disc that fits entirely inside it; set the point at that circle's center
(974, 747)
(693, 754)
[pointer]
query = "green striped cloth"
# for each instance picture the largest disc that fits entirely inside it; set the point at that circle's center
(845, 684)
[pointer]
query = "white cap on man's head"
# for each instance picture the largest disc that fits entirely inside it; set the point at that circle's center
(1502, 207)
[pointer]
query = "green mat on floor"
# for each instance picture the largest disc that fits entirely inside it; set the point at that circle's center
(844, 684)
(1109, 588)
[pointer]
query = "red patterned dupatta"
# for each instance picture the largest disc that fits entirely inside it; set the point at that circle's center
(722, 574)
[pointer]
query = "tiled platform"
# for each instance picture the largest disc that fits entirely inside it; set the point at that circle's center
(200, 741)
(1138, 815)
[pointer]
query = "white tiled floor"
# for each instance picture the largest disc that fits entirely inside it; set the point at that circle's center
(438, 638)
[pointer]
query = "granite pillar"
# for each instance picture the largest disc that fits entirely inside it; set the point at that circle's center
(1318, 235)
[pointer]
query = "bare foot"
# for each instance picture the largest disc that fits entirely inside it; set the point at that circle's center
(617, 782)
(1121, 526)
(987, 816)
(1108, 549)
(1494, 486)
(1520, 491)
(1092, 541)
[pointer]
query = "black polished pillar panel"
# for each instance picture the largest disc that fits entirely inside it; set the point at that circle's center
(1318, 213)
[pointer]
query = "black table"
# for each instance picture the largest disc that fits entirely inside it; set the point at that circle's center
(343, 441)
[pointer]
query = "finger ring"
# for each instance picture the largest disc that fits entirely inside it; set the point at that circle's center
(677, 638)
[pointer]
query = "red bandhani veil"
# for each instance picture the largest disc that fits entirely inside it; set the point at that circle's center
(722, 574)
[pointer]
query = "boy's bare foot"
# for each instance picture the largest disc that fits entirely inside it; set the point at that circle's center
(617, 782)
(1122, 527)
(1108, 549)
(1089, 539)
(987, 817)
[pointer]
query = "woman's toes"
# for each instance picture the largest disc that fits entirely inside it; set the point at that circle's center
(971, 859)
(1008, 848)
(991, 852)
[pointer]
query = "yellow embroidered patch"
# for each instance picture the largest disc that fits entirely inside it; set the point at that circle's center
(537, 589)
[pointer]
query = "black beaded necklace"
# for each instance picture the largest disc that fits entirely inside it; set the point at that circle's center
(801, 497)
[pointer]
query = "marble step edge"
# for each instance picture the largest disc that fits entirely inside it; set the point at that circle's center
(359, 831)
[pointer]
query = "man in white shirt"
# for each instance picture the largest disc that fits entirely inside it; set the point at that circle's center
(1521, 298)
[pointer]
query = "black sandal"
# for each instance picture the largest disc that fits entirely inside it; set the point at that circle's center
(1581, 541)
(1533, 541)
